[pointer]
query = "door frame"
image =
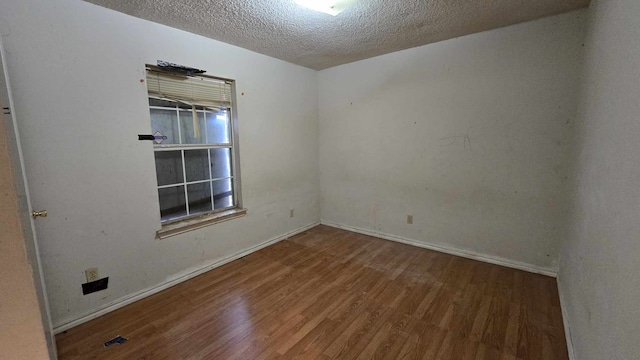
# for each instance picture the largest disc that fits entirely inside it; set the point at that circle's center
(24, 202)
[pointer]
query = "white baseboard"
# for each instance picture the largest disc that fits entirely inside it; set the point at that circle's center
(449, 250)
(179, 278)
(565, 321)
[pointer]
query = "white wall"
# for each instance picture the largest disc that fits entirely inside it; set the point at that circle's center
(470, 136)
(75, 69)
(600, 267)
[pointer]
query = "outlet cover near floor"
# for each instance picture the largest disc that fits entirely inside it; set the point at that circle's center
(92, 274)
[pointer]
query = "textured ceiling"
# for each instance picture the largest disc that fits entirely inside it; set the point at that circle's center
(284, 30)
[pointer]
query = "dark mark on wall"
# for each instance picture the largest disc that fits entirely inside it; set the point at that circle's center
(451, 140)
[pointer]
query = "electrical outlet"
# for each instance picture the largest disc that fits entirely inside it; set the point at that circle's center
(409, 219)
(291, 213)
(92, 274)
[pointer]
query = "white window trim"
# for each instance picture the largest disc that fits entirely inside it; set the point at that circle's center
(186, 225)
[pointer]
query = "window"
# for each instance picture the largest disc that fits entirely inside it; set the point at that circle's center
(195, 147)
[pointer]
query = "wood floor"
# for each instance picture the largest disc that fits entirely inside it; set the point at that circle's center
(333, 294)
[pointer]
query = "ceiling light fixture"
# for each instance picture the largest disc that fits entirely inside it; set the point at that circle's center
(331, 7)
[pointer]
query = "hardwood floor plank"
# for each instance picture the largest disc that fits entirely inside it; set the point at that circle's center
(333, 294)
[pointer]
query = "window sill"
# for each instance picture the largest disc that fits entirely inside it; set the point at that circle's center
(182, 227)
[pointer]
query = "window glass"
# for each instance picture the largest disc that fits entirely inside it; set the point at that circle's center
(218, 127)
(169, 167)
(172, 203)
(199, 198)
(220, 163)
(222, 194)
(166, 122)
(192, 134)
(196, 165)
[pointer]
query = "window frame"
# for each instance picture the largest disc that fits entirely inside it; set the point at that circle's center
(195, 221)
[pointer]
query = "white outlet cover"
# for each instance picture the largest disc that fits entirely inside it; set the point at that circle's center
(92, 274)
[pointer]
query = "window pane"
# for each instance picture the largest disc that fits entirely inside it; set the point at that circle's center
(188, 132)
(218, 127)
(222, 194)
(196, 165)
(165, 121)
(220, 163)
(172, 203)
(199, 198)
(168, 167)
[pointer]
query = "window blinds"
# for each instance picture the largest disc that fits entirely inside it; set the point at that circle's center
(191, 90)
